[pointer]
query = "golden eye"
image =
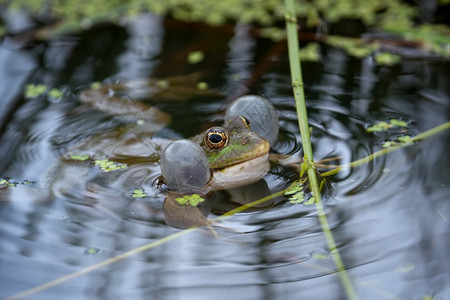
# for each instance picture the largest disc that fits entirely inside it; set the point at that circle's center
(245, 121)
(216, 138)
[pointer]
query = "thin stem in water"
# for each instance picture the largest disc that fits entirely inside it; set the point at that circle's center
(297, 83)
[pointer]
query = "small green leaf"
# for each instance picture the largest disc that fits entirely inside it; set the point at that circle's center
(79, 157)
(182, 200)
(298, 197)
(310, 201)
(91, 251)
(55, 93)
(399, 123)
(96, 85)
(310, 52)
(404, 139)
(192, 200)
(295, 187)
(138, 194)
(388, 144)
(380, 126)
(276, 34)
(3, 181)
(35, 90)
(202, 86)
(108, 166)
(195, 57)
(387, 59)
(320, 256)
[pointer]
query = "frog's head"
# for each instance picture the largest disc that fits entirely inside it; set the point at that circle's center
(236, 155)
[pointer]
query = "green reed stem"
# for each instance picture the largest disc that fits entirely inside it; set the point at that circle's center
(297, 84)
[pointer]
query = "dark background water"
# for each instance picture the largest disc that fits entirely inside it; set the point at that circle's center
(390, 217)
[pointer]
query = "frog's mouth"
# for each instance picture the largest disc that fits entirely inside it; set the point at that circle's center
(241, 174)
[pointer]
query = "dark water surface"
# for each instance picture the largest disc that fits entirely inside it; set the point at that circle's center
(390, 217)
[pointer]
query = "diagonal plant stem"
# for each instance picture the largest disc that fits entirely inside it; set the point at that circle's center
(297, 84)
(417, 138)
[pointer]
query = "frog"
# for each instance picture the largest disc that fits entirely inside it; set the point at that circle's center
(234, 154)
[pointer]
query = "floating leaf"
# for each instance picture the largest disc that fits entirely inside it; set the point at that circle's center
(384, 126)
(35, 90)
(79, 157)
(388, 144)
(404, 139)
(91, 251)
(138, 194)
(399, 123)
(96, 85)
(8, 183)
(295, 187)
(310, 201)
(380, 126)
(195, 57)
(310, 52)
(274, 33)
(202, 86)
(387, 59)
(320, 256)
(55, 93)
(298, 197)
(192, 200)
(352, 46)
(108, 166)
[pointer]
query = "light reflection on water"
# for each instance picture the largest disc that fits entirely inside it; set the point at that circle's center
(389, 217)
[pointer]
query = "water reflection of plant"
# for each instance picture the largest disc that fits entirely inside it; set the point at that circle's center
(394, 16)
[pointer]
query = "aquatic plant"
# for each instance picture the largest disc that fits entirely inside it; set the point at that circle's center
(393, 16)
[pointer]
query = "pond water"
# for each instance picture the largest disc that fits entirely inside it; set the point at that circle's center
(389, 217)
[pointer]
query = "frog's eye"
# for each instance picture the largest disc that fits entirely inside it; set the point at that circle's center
(245, 121)
(216, 138)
